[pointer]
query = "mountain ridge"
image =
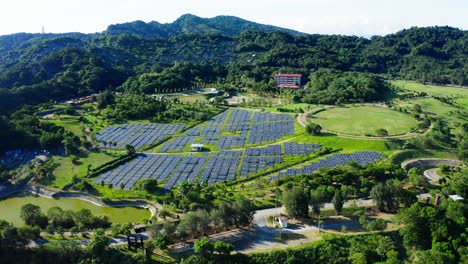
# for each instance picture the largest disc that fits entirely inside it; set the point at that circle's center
(192, 24)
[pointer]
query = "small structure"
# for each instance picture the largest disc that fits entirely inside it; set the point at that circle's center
(456, 197)
(197, 147)
(424, 197)
(288, 80)
(282, 221)
(132, 242)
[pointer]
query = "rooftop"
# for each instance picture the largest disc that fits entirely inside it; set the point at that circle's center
(288, 75)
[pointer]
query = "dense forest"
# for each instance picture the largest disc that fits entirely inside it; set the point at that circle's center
(134, 57)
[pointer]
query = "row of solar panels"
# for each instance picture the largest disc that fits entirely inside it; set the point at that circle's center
(219, 168)
(137, 135)
(178, 144)
(333, 161)
(252, 165)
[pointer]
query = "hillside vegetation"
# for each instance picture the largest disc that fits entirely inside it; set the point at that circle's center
(192, 51)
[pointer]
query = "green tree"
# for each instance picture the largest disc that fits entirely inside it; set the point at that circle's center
(296, 202)
(381, 132)
(97, 246)
(316, 201)
(338, 201)
(223, 248)
(203, 247)
(313, 129)
(130, 149)
(161, 241)
(33, 216)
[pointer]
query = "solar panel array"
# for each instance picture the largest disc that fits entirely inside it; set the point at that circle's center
(269, 127)
(137, 135)
(271, 150)
(254, 164)
(194, 131)
(211, 134)
(220, 169)
(229, 142)
(293, 148)
(188, 170)
(219, 119)
(157, 167)
(178, 144)
(332, 161)
(239, 120)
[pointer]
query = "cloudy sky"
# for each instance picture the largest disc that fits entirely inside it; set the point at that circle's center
(349, 17)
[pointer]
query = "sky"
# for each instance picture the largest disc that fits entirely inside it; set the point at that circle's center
(347, 17)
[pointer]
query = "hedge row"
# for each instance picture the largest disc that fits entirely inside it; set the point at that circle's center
(111, 165)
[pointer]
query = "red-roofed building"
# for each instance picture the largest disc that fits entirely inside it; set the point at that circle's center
(288, 80)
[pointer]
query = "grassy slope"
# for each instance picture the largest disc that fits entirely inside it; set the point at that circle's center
(364, 120)
(65, 170)
(433, 89)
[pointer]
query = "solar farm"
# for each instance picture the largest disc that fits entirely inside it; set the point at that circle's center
(232, 129)
(332, 161)
(137, 135)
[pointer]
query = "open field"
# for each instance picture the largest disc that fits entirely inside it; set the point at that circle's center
(429, 106)
(433, 89)
(64, 169)
(364, 120)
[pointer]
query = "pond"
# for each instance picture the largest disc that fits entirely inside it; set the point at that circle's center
(10, 209)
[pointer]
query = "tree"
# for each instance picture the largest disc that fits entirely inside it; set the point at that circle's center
(203, 247)
(244, 211)
(223, 248)
(130, 149)
(381, 132)
(316, 201)
(98, 244)
(8, 234)
(29, 232)
(388, 196)
(417, 108)
(161, 241)
(33, 216)
(338, 201)
(313, 129)
(296, 202)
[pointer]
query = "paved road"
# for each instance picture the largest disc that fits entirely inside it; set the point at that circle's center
(261, 216)
(431, 175)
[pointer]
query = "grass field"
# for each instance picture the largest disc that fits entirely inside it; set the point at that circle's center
(461, 94)
(432, 89)
(364, 120)
(429, 106)
(64, 169)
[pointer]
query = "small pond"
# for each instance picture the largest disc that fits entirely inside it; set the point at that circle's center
(10, 208)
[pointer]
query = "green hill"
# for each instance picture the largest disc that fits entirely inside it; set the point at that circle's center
(144, 57)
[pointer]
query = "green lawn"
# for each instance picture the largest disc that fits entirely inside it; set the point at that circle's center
(64, 169)
(364, 120)
(460, 93)
(429, 106)
(432, 89)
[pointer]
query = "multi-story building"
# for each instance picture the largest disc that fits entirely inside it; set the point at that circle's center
(288, 80)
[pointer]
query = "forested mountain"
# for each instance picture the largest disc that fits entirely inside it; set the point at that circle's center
(157, 57)
(190, 24)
